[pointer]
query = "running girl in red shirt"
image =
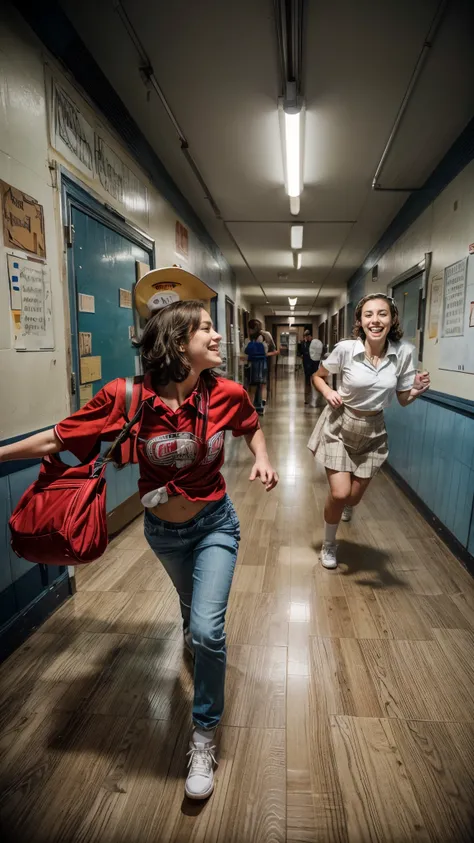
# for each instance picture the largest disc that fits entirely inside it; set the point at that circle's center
(190, 522)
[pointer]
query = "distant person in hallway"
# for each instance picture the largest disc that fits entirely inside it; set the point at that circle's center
(260, 350)
(310, 350)
(350, 438)
(190, 522)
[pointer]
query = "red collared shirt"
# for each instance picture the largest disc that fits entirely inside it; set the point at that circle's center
(166, 440)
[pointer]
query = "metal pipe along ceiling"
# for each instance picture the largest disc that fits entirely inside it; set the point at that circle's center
(289, 19)
(427, 45)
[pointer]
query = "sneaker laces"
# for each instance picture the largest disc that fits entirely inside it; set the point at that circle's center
(330, 549)
(201, 760)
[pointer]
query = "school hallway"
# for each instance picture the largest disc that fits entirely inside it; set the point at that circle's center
(349, 710)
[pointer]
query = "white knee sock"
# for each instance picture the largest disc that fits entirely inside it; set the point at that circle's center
(330, 531)
(203, 735)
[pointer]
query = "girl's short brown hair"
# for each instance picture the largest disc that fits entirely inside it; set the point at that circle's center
(163, 338)
(396, 331)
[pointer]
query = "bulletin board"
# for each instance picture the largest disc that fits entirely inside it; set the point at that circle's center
(457, 327)
(30, 304)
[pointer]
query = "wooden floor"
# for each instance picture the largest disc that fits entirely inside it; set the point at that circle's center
(350, 693)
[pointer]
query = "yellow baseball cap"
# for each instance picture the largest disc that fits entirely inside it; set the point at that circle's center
(161, 287)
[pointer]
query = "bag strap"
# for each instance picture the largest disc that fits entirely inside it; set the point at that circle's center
(133, 390)
(129, 384)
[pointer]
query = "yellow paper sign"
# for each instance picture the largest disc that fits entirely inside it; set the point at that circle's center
(85, 393)
(91, 369)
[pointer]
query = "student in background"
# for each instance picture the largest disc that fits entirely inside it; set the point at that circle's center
(259, 388)
(310, 365)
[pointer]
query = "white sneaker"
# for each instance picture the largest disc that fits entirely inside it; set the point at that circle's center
(347, 513)
(328, 555)
(200, 780)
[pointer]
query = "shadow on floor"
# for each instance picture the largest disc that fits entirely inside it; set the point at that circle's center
(357, 560)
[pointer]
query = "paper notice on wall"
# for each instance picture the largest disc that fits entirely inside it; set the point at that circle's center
(31, 304)
(91, 369)
(436, 298)
(23, 221)
(141, 269)
(86, 303)
(181, 239)
(85, 393)
(454, 299)
(125, 298)
(456, 352)
(85, 343)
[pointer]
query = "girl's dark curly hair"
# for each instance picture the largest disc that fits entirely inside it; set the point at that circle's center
(162, 341)
(395, 333)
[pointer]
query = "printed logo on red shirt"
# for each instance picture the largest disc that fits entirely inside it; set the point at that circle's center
(214, 447)
(179, 450)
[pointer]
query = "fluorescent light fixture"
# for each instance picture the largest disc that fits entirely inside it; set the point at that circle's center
(297, 258)
(293, 153)
(291, 320)
(292, 120)
(296, 236)
(294, 205)
(292, 301)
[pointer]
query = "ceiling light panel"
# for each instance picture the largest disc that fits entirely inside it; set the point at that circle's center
(296, 236)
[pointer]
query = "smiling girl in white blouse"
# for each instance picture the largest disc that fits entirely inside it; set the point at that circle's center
(350, 438)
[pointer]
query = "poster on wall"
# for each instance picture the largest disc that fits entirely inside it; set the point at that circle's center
(436, 298)
(72, 136)
(457, 337)
(454, 299)
(181, 235)
(23, 221)
(30, 304)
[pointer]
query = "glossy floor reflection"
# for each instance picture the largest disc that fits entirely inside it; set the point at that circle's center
(350, 704)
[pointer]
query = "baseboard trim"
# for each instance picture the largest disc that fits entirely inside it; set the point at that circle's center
(457, 549)
(13, 634)
(124, 514)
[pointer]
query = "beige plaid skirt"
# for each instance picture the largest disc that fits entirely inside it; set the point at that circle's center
(343, 441)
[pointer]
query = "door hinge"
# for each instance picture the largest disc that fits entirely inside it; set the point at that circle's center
(69, 234)
(73, 383)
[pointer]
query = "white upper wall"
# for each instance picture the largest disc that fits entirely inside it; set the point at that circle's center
(35, 388)
(446, 229)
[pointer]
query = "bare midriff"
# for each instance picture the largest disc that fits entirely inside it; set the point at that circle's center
(178, 509)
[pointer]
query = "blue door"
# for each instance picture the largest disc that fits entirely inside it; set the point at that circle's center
(102, 272)
(104, 268)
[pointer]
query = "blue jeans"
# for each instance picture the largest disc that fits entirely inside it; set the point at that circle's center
(199, 556)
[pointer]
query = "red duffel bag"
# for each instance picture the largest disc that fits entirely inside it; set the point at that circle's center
(61, 519)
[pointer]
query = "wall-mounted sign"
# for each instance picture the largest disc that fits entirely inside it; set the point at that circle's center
(23, 221)
(91, 369)
(125, 298)
(86, 303)
(31, 304)
(436, 298)
(82, 144)
(182, 239)
(454, 298)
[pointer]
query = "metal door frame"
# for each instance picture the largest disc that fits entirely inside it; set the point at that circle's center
(74, 194)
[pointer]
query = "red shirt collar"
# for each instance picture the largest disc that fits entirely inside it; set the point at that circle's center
(156, 402)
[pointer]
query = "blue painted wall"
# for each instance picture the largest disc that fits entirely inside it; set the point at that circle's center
(431, 447)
